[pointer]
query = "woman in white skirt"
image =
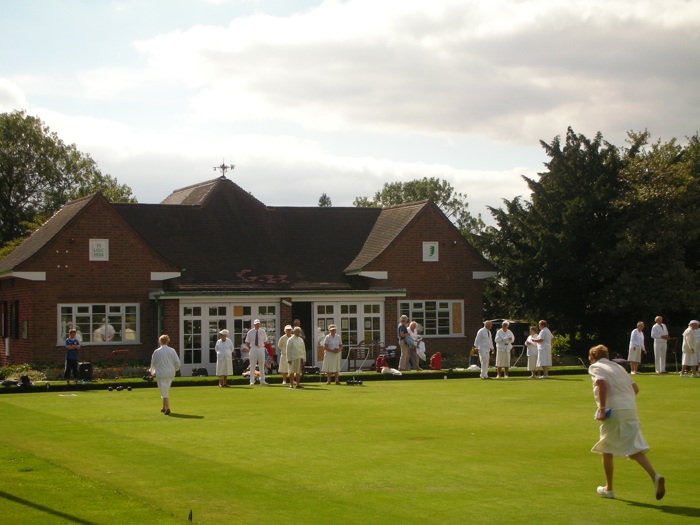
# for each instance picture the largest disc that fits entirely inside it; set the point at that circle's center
(504, 344)
(544, 348)
(690, 349)
(282, 359)
(333, 347)
(531, 347)
(224, 356)
(164, 364)
(636, 347)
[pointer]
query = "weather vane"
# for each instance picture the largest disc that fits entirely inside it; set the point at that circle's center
(224, 168)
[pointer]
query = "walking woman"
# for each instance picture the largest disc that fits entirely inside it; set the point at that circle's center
(164, 364)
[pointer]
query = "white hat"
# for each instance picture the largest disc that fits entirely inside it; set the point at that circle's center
(223, 332)
(257, 321)
(332, 327)
(288, 327)
(693, 322)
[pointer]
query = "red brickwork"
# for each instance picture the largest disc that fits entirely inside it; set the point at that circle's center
(449, 278)
(72, 278)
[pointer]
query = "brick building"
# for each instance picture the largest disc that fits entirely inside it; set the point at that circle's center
(211, 256)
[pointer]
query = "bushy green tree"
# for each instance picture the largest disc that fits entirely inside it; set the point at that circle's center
(39, 173)
(324, 201)
(608, 237)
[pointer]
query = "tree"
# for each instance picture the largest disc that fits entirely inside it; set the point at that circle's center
(609, 236)
(324, 201)
(453, 204)
(39, 173)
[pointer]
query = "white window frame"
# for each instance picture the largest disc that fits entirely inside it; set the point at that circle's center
(115, 313)
(416, 310)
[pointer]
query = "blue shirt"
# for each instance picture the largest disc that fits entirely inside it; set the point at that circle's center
(72, 353)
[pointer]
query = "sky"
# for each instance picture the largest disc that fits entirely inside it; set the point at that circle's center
(307, 97)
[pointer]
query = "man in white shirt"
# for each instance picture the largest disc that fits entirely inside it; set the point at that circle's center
(256, 339)
(484, 345)
(659, 333)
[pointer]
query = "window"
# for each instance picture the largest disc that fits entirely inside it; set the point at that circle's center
(102, 324)
(438, 318)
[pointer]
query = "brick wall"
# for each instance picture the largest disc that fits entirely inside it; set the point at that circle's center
(72, 278)
(449, 278)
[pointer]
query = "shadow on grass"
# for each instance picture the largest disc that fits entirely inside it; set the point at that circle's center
(42, 508)
(691, 512)
(185, 416)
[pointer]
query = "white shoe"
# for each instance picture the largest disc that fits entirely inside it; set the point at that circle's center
(609, 494)
(659, 486)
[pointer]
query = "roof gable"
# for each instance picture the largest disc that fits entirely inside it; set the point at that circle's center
(390, 223)
(46, 232)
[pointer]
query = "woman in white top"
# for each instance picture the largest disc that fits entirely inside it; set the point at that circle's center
(282, 345)
(636, 347)
(415, 347)
(164, 365)
(224, 356)
(544, 348)
(333, 347)
(532, 353)
(690, 349)
(504, 344)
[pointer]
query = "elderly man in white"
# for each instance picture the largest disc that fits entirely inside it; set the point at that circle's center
(659, 333)
(484, 345)
(256, 339)
(636, 347)
(690, 349)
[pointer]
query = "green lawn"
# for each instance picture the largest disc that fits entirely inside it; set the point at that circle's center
(388, 452)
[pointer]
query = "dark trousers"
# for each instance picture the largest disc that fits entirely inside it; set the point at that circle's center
(71, 365)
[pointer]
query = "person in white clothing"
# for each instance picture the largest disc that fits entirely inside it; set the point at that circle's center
(690, 349)
(164, 365)
(414, 359)
(636, 347)
(544, 348)
(532, 353)
(282, 360)
(224, 355)
(256, 339)
(659, 333)
(504, 344)
(484, 345)
(620, 435)
(333, 348)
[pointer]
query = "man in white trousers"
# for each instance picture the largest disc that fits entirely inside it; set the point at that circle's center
(256, 339)
(659, 333)
(484, 345)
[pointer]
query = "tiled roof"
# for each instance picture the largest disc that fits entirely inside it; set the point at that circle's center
(391, 222)
(44, 234)
(226, 238)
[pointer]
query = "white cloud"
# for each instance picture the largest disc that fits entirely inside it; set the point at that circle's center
(11, 96)
(502, 69)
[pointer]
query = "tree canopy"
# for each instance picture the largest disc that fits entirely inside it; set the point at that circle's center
(39, 173)
(609, 236)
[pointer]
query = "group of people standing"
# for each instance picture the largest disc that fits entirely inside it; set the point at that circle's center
(538, 344)
(660, 335)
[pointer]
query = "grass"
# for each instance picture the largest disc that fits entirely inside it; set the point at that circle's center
(386, 452)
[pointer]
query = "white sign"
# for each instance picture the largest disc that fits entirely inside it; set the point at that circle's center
(430, 252)
(99, 249)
